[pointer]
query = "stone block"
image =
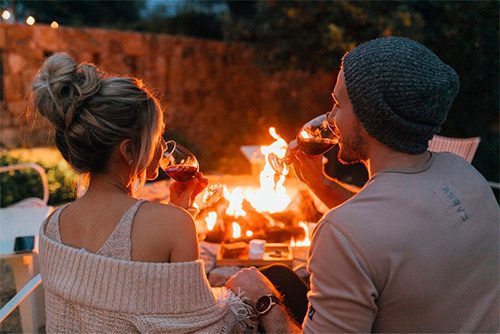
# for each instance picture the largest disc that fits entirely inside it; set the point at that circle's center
(17, 108)
(47, 38)
(15, 62)
(9, 138)
(2, 37)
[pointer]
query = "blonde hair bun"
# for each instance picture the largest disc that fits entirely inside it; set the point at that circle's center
(61, 86)
(92, 113)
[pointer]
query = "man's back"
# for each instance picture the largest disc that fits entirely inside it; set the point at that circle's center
(415, 250)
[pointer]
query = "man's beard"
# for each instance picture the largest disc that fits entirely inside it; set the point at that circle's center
(352, 150)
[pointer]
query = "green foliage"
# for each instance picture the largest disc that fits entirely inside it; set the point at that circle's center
(21, 184)
(189, 21)
(187, 18)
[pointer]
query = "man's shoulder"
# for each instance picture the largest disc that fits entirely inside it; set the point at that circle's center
(373, 197)
(370, 215)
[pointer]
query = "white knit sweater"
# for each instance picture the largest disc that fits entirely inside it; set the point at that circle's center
(90, 293)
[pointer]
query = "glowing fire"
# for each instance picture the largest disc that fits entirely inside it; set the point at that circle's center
(236, 230)
(271, 196)
(235, 199)
(306, 241)
(211, 220)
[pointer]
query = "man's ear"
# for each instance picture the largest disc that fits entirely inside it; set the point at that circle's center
(126, 150)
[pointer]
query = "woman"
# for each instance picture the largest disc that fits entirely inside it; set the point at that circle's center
(111, 262)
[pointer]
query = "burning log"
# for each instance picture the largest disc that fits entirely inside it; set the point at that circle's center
(234, 250)
(274, 227)
(266, 213)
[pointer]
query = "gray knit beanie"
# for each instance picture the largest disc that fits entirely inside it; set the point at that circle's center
(400, 91)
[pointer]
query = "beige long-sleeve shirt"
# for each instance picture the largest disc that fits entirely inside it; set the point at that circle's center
(414, 251)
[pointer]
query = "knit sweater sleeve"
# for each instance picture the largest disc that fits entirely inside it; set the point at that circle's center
(342, 296)
(94, 293)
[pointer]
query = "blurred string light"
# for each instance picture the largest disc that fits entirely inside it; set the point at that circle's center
(30, 20)
(54, 25)
(6, 14)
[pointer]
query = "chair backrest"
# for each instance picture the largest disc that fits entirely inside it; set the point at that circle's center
(37, 168)
(463, 147)
(28, 289)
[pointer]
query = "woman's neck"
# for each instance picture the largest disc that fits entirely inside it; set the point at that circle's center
(107, 184)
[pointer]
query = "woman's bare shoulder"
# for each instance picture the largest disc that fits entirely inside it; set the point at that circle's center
(172, 213)
(161, 230)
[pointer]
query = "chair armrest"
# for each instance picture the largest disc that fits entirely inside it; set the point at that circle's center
(38, 169)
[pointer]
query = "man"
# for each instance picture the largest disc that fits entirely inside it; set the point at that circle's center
(416, 249)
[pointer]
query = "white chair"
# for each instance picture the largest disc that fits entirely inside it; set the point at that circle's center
(24, 293)
(17, 220)
(463, 147)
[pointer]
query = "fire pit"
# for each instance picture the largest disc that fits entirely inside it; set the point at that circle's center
(268, 207)
(263, 206)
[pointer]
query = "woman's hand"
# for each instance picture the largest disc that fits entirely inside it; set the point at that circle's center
(183, 193)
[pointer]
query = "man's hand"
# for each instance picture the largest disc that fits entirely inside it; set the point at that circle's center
(308, 168)
(255, 285)
(183, 193)
(252, 283)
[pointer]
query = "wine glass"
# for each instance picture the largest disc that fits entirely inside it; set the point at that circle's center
(181, 165)
(316, 137)
(210, 195)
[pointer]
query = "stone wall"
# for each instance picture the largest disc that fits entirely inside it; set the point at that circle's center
(216, 97)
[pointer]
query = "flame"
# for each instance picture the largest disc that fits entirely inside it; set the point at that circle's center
(236, 230)
(271, 196)
(249, 233)
(211, 220)
(306, 241)
(235, 199)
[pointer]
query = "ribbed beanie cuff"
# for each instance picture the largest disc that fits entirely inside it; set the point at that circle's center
(400, 91)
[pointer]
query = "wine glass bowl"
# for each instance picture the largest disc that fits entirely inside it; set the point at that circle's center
(178, 162)
(315, 137)
(181, 165)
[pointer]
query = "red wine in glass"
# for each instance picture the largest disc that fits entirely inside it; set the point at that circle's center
(316, 146)
(315, 137)
(181, 165)
(178, 162)
(181, 172)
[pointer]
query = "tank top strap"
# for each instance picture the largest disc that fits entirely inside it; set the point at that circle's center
(119, 243)
(52, 230)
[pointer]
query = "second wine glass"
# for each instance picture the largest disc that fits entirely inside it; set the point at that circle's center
(316, 137)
